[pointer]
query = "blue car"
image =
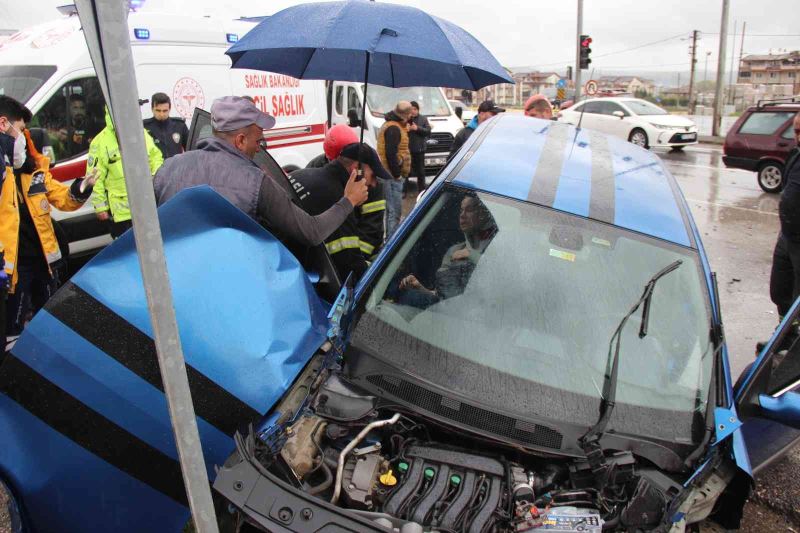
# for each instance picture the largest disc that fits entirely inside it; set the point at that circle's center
(539, 346)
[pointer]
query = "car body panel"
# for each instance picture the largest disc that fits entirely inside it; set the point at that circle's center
(82, 402)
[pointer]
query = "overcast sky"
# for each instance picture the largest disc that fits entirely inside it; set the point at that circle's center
(541, 34)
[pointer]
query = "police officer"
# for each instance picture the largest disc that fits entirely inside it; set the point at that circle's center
(320, 188)
(169, 133)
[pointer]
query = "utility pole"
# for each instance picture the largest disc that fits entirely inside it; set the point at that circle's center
(705, 71)
(723, 38)
(578, 52)
(733, 56)
(741, 52)
(691, 73)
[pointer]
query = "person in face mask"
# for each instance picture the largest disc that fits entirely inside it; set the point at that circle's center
(31, 251)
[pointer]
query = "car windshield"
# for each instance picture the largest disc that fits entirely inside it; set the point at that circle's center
(431, 101)
(642, 107)
(515, 304)
(21, 81)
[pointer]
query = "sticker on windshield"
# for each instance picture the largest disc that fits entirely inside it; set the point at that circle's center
(566, 256)
(602, 242)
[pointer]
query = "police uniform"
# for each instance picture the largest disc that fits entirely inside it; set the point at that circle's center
(318, 189)
(169, 135)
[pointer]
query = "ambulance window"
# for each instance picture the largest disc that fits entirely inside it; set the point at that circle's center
(71, 118)
(353, 102)
(339, 100)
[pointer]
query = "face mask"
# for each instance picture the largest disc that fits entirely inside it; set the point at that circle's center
(20, 154)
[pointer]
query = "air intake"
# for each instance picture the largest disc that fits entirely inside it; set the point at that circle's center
(505, 426)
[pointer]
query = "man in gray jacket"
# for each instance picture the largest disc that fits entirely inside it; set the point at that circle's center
(225, 162)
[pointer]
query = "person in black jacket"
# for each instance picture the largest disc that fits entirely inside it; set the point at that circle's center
(419, 130)
(320, 188)
(169, 133)
(486, 110)
(784, 282)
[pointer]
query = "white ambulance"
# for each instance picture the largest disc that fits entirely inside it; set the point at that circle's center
(48, 68)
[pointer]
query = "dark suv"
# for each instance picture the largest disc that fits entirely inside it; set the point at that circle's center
(761, 141)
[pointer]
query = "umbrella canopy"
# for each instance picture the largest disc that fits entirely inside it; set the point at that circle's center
(405, 47)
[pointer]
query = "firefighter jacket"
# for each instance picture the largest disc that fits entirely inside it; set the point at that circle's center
(318, 189)
(110, 192)
(39, 190)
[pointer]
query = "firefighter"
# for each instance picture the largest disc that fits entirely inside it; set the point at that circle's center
(320, 188)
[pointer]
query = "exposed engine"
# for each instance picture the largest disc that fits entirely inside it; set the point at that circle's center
(394, 470)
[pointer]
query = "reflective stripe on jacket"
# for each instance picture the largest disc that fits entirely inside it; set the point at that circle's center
(40, 191)
(110, 192)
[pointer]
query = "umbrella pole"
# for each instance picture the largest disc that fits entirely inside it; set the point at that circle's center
(363, 116)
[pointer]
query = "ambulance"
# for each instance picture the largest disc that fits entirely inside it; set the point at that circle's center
(48, 68)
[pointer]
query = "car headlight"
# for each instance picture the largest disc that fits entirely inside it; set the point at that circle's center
(663, 126)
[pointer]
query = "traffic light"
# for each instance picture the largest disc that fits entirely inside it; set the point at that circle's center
(585, 43)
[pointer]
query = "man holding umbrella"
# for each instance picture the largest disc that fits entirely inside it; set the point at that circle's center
(225, 162)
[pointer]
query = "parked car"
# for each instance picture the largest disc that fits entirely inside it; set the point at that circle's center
(636, 120)
(761, 141)
(536, 345)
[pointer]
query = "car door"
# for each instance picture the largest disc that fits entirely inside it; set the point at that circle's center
(612, 124)
(315, 259)
(768, 396)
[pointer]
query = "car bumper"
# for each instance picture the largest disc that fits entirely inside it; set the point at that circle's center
(435, 162)
(674, 138)
(745, 163)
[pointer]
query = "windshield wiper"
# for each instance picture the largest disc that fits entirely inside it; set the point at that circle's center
(590, 441)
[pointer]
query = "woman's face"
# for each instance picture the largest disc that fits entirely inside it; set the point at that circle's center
(468, 219)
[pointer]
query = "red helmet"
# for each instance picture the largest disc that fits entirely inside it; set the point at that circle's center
(337, 138)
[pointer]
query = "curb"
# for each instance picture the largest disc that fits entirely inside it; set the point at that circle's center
(710, 139)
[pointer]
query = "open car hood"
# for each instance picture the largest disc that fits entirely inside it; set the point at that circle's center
(88, 443)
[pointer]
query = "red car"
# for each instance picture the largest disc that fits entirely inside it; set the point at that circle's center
(761, 141)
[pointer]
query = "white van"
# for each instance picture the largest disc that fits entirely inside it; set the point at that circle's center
(48, 68)
(346, 104)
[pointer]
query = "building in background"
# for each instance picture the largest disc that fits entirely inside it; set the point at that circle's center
(771, 70)
(631, 85)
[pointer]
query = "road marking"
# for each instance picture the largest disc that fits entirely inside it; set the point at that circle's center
(726, 206)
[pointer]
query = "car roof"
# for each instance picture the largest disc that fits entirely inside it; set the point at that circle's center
(578, 171)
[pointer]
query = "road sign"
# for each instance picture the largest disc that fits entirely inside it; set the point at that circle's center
(561, 83)
(561, 93)
(590, 88)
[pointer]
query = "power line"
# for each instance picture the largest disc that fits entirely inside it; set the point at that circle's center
(682, 34)
(764, 34)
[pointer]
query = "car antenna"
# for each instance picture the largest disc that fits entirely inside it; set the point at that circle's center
(580, 119)
(590, 441)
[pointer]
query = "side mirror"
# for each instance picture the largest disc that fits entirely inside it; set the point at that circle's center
(459, 111)
(619, 114)
(352, 118)
(784, 408)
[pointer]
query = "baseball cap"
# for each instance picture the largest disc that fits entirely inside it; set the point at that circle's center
(231, 113)
(368, 156)
(489, 105)
(337, 138)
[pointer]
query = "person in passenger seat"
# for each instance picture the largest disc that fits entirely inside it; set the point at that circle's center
(460, 260)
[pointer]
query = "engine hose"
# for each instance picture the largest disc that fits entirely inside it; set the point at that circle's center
(325, 484)
(353, 443)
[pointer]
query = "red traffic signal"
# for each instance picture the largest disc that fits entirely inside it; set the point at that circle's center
(585, 41)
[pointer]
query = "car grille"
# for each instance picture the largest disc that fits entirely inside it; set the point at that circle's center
(505, 426)
(444, 142)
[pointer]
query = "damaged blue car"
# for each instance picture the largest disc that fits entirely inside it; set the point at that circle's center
(539, 347)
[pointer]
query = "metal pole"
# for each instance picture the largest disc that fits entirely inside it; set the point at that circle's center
(705, 71)
(691, 73)
(741, 52)
(723, 37)
(578, 52)
(105, 26)
(733, 56)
